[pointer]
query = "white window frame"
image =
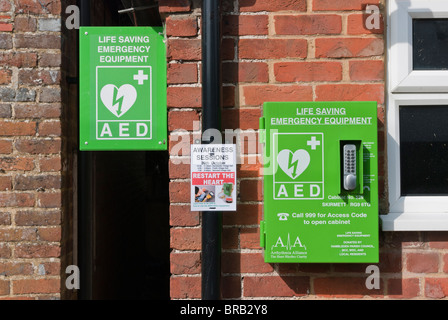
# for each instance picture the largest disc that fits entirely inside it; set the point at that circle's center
(406, 88)
(402, 77)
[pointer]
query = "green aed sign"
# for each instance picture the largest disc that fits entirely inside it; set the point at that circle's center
(320, 182)
(122, 88)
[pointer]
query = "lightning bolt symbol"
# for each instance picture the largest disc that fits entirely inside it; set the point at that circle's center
(117, 101)
(294, 166)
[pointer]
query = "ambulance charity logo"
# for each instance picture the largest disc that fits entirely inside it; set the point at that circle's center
(118, 100)
(293, 164)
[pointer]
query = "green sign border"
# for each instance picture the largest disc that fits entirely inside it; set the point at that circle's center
(88, 64)
(321, 227)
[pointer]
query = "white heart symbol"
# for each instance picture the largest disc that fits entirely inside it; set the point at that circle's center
(298, 164)
(118, 100)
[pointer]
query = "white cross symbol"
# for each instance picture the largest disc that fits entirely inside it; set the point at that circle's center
(313, 143)
(141, 77)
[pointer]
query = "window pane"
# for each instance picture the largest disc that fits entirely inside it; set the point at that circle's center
(424, 150)
(430, 44)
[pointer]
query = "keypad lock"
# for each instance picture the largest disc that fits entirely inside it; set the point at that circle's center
(349, 167)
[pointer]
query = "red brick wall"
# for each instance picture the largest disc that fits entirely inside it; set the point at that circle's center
(295, 50)
(30, 149)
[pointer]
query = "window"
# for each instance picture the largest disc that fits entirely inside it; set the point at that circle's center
(417, 115)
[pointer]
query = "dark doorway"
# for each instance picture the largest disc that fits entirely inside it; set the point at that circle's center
(123, 216)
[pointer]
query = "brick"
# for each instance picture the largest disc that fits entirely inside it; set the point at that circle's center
(346, 287)
(181, 26)
(50, 94)
(38, 146)
(30, 286)
(184, 49)
(8, 128)
(18, 59)
(38, 41)
(49, 128)
(26, 182)
(422, 262)
(233, 72)
(4, 287)
(179, 144)
(15, 268)
(250, 238)
(334, 5)
(349, 47)
(356, 24)
(368, 70)
(39, 7)
(272, 48)
(269, 5)
(5, 218)
(5, 41)
(5, 27)
(251, 190)
(5, 76)
(36, 250)
(5, 251)
(256, 95)
(437, 240)
(249, 170)
(403, 288)
(5, 110)
(350, 92)
(245, 263)
(436, 288)
(179, 192)
(181, 215)
(312, 24)
(48, 59)
(5, 5)
(185, 287)
(35, 77)
(179, 170)
(25, 24)
(25, 95)
(5, 183)
(445, 260)
(38, 218)
(182, 120)
(184, 97)
(246, 214)
(185, 238)
(185, 263)
(52, 164)
(14, 235)
(51, 234)
(37, 111)
(16, 163)
(50, 25)
(178, 73)
(17, 200)
(274, 286)
(230, 239)
(166, 6)
(5, 146)
(228, 96)
(241, 118)
(50, 268)
(49, 200)
(308, 71)
(244, 25)
(231, 287)
(228, 49)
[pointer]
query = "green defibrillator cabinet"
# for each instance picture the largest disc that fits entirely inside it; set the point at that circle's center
(320, 182)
